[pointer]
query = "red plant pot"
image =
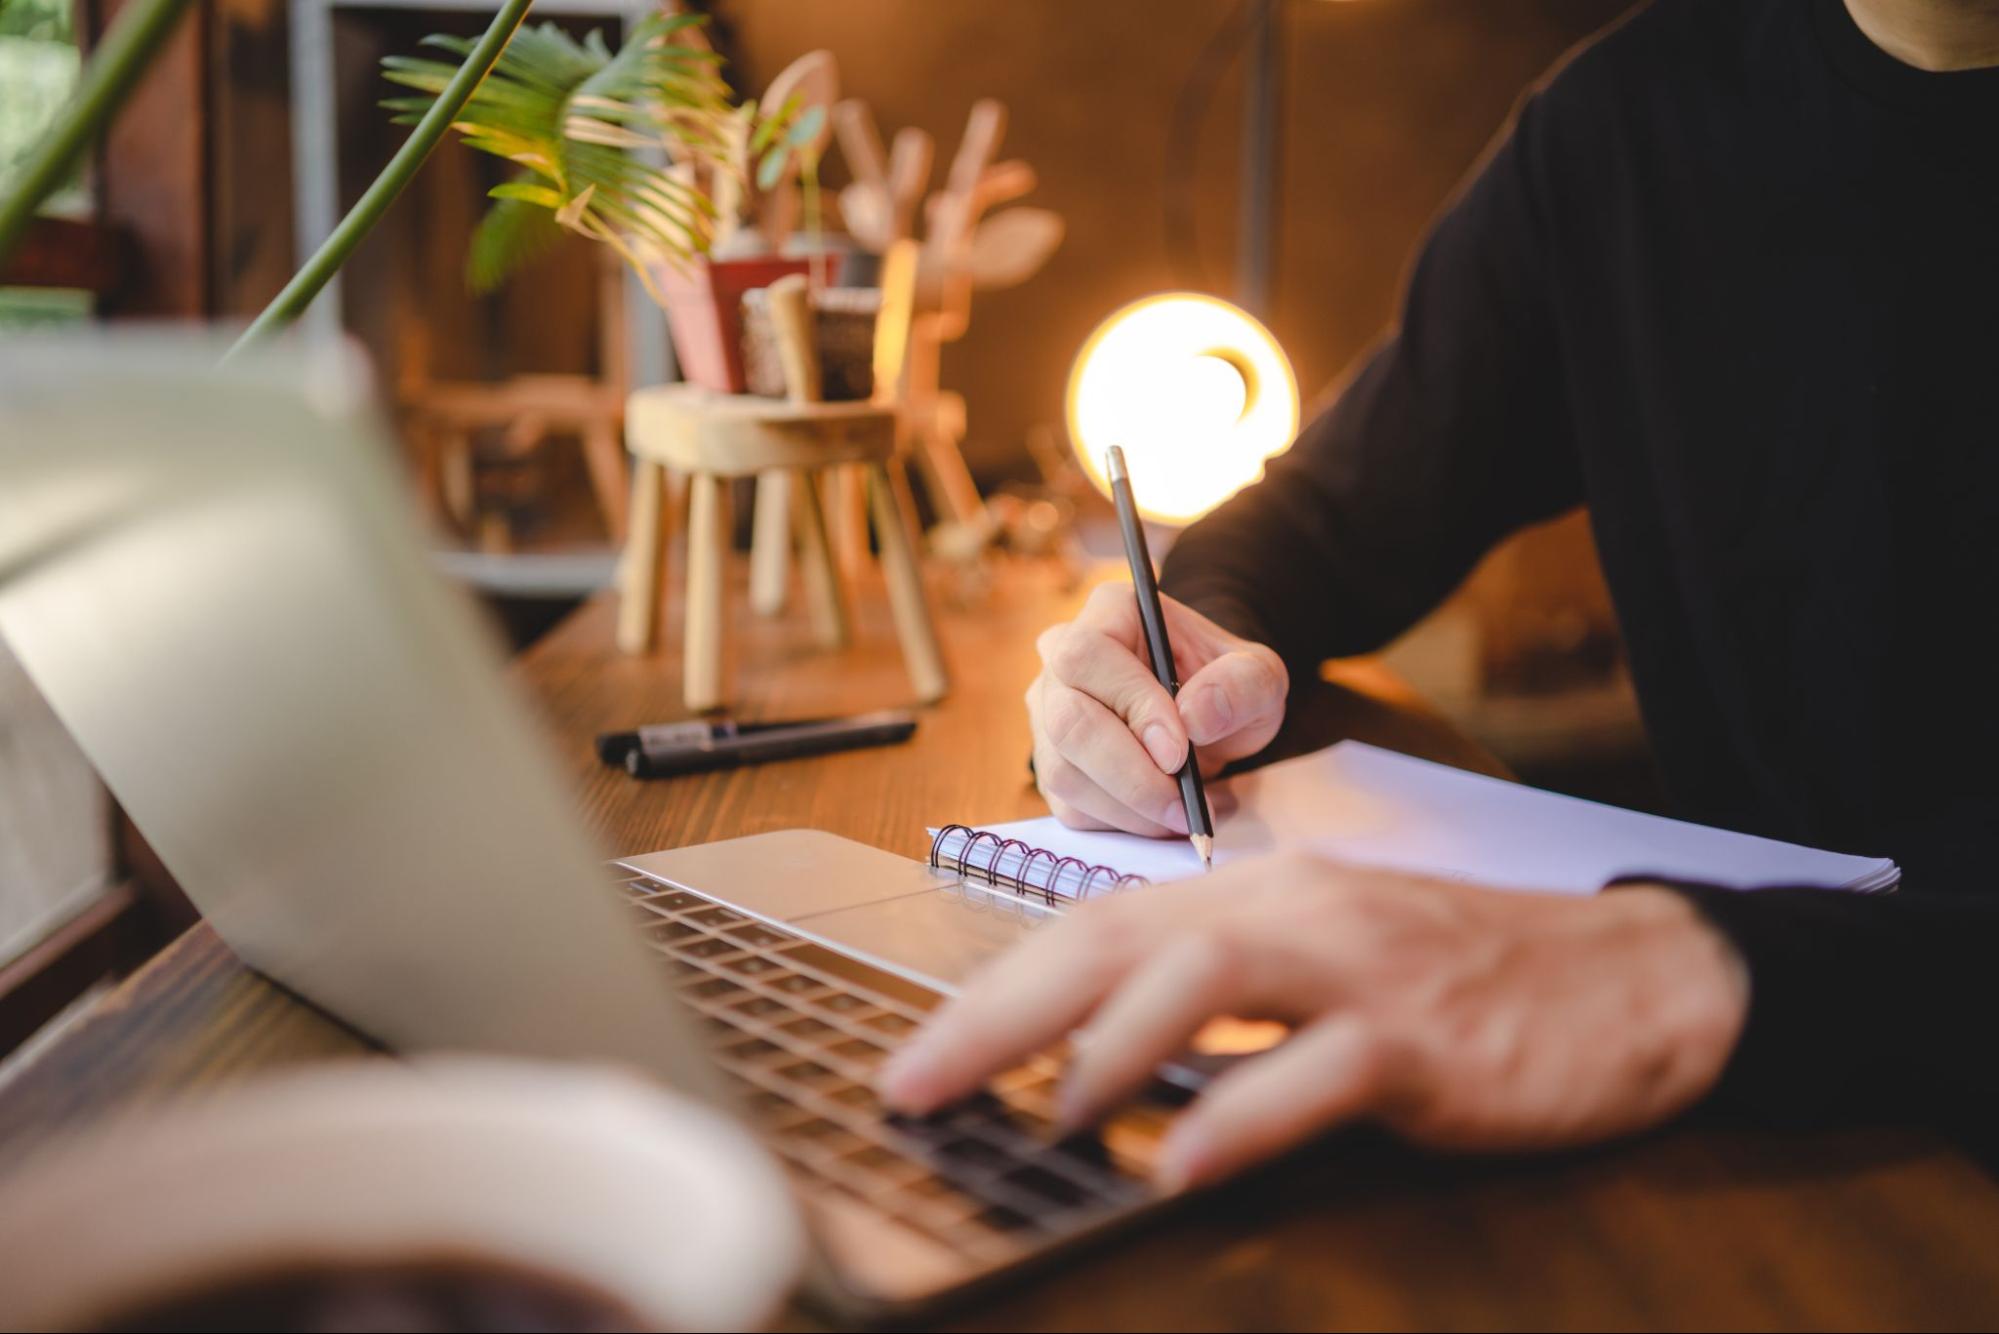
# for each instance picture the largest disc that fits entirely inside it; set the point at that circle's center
(704, 311)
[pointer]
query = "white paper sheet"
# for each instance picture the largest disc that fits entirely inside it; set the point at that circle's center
(1375, 807)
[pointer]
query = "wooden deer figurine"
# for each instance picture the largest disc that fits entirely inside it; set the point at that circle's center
(967, 246)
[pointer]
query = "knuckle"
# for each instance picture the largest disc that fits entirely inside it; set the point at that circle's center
(1307, 887)
(1148, 703)
(1047, 641)
(1071, 653)
(1061, 781)
(1034, 697)
(1102, 919)
(1396, 1062)
(1267, 669)
(1093, 917)
(1063, 811)
(1064, 719)
(1108, 597)
(1295, 868)
(1368, 1046)
(1255, 677)
(1215, 959)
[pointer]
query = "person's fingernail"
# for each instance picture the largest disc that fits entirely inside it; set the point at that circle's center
(1174, 815)
(1167, 751)
(1211, 717)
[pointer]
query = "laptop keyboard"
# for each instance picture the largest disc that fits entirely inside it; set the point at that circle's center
(804, 1040)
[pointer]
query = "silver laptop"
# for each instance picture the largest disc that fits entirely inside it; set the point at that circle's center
(213, 576)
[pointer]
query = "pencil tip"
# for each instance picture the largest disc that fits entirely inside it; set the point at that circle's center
(1205, 845)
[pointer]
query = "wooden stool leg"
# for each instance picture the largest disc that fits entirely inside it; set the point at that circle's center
(905, 497)
(939, 430)
(849, 523)
(947, 466)
(770, 543)
(905, 591)
(609, 475)
(641, 573)
(707, 619)
(676, 495)
(824, 591)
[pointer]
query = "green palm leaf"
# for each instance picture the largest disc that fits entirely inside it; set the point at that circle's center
(515, 231)
(587, 126)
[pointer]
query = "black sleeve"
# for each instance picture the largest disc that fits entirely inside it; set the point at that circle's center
(1863, 1007)
(1451, 435)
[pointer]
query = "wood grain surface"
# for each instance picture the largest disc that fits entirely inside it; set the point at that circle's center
(1699, 1226)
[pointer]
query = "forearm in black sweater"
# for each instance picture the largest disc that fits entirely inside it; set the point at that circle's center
(1863, 1007)
(1449, 437)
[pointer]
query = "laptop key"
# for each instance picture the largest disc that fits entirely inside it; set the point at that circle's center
(871, 1157)
(819, 1130)
(975, 1152)
(864, 1055)
(809, 1074)
(923, 1129)
(1049, 1186)
(1000, 1218)
(713, 988)
(748, 1050)
(854, 1095)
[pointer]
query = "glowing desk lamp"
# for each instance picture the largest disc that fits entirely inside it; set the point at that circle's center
(1198, 394)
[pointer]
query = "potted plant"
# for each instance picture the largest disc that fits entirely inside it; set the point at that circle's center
(641, 150)
(750, 180)
(786, 148)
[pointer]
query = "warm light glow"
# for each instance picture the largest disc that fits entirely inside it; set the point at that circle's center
(1197, 393)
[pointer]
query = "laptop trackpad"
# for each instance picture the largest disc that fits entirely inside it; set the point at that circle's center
(890, 911)
(786, 874)
(937, 938)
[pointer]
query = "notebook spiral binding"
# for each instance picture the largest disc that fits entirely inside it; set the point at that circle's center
(1017, 866)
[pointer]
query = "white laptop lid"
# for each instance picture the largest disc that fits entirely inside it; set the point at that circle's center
(212, 576)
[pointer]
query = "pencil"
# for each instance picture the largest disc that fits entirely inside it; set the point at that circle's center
(1200, 825)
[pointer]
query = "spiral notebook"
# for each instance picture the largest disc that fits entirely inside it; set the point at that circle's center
(1374, 807)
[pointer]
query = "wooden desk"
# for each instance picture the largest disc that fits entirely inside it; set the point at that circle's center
(1694, 1227)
